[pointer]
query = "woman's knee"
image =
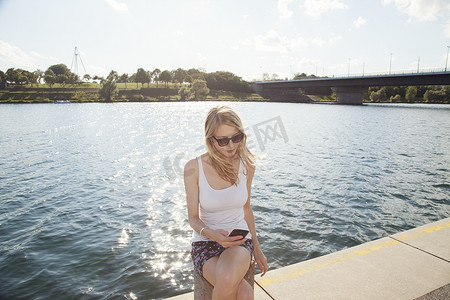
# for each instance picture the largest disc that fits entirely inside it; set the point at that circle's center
(231, 272)
(245, 291)
(227, 281)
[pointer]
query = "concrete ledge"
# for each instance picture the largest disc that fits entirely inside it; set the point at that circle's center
(407, 266)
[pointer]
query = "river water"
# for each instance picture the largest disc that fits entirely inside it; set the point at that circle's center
(92, 196)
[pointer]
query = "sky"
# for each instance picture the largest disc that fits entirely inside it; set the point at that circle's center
(245, 37)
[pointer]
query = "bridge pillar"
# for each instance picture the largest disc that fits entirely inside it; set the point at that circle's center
(350, 94)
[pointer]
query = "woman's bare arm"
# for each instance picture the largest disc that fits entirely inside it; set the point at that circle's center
(261, 260)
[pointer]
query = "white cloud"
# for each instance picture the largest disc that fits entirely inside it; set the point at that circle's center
(273, 42)
(283, 9)
(423, 10)
(360, 21)
(245, 17)
(117, 6)
(14, 57)
(334, 39)
(304, 64)
(315, 8)
(317, 41)
(284, 45)
(37, 55)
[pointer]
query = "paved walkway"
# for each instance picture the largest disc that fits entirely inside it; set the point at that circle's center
(408, 265)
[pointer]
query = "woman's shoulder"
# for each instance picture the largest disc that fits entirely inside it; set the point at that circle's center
(192, 164)
(191, 168)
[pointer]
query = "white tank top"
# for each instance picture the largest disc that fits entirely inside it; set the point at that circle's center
(221, 209)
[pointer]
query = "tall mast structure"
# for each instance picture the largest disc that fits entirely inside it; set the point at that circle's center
(74, 66)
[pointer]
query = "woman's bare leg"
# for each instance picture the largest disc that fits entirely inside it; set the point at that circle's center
(226, 273)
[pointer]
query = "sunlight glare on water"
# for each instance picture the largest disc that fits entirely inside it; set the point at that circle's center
(93, 203)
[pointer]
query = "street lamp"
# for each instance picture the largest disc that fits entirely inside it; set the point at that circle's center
(349, 67)
(446, 60)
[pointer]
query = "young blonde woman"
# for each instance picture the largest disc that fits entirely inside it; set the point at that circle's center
(218, 185)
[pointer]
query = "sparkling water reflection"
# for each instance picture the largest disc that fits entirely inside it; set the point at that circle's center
(92, 196)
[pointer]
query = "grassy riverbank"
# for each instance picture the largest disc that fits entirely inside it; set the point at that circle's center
(130, 92)
(153, 92)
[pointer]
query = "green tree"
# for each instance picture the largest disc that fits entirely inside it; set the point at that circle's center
(297, 76)
(49, 78)
(132, 78)
(155, 75)
(436, 95)
(411, 93)
(390, 91)
(141, 76)
(108, 90)
(59, 69)
(200, 89)
(378, 96)
(15, 76)
(188, 79)
(196, 74)
(62, 79)
(185, 93)
(3, 83)
(73, 79)
(40, 75)
(33, 77)
(212, 82)
(86, 77)
(226, 81)
(149, 78)
(395, 99)
(165, 77)
(179, 75)
(113, 75)
(124, 78)
(62, 74)
(26, 77)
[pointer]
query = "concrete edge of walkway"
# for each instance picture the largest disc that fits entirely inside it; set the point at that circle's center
(414, 264)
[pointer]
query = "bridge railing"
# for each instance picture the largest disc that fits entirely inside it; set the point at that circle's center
(393, 73)
(376, 74)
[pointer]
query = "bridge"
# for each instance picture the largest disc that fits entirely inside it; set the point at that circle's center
(349, 90)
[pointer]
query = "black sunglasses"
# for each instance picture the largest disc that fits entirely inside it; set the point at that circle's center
(224, 141)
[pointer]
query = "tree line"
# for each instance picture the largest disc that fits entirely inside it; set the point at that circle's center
(410, 94)
(59, 73)
(196, 83)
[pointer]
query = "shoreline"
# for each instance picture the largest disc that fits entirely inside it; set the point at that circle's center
(90, 94)
(40, 101)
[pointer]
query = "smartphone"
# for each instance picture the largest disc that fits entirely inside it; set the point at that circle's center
(241, 232)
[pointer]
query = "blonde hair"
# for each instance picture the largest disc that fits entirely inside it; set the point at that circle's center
(220, 115)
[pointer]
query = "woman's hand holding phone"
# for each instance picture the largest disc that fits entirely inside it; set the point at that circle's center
(223, 238)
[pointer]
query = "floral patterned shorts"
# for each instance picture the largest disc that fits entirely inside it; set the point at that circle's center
(202, 251)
